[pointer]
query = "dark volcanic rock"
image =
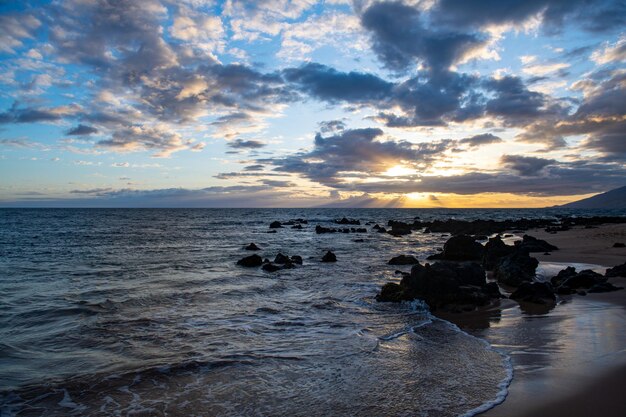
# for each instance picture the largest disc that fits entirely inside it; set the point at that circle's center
(442, 284)
(532, 244)
(296, 259)
(275, 225)
(534, 292)
(619, 245)
(495, 249)
(403, 260)
(568, 280)
(398, 228)
(250, 261)
(348, 221)
(616, 271)
(252, 246)
(281, 259)
(271, 267)
(329, 257)
(462, 248)
(515, 268)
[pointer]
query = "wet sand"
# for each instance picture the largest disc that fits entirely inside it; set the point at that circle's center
(571, 360)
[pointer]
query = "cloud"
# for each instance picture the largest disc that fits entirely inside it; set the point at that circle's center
(593, 16)
(156, 138)
(526, 166)
(81, 130)
(14, 28)
(36, 115)
(328, 84)
(356, 153)
(480, 140)
(611, 52)
(246, 144)
(400, 38)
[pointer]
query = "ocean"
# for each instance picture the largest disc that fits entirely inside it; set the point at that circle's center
(145, 312)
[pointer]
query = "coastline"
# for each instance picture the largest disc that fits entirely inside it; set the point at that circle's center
(570, 361)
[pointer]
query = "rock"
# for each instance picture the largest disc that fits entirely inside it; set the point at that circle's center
(250, 261)
(348, 221)
(358, 240)
(329, 257)
(563, 275)
(391, 292)
(532, 244)
(462, 248)
(398, 228)
(271, 267)
(272, 231)
(376, 227)
(382, 230)
(584, 279)
(296, 259)
(443, 284)
(252, 246)
(297, 227)
(616, 271)
(534, 292)
(403, 260)
(604, 287)
(275, 225)
(515, 268)
(619, 245)
(495, 249)
(281, 259)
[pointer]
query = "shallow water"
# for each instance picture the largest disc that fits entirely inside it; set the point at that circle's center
(116, 312)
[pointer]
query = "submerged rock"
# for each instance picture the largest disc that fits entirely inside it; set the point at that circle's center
(296, 259)
(619, 245)
(403, 260)
(604, 287)
(329, 257)
(275, 225)
(252, 246)
(250, 261)
(348, 221)
(270, 267)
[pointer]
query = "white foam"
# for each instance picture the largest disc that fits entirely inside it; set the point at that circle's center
(503, 386)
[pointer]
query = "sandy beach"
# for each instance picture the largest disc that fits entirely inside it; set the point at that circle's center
(570, 361)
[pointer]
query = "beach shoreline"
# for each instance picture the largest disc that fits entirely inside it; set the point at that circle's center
(570, 361)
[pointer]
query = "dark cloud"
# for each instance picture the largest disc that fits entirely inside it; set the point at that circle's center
(256, 167)
(326, 83)
(559, 180)
(594, 16)
(332, 126)
(480, 140)
(93, 191)
(357, 153)
(400, 38)
(30, 115)
(278, 184)
(516, 105)
(246, 144)
(81, 130)
(526, 166)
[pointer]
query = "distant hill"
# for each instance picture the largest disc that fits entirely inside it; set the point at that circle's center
(614, 199)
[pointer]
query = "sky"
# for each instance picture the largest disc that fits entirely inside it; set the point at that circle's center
(311, 103)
